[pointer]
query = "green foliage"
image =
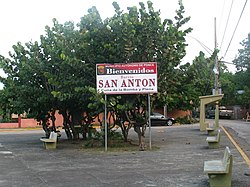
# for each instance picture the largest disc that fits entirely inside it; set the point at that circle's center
(195, 80)
(242, 61)
(24, 86)
(8, 120)
(186, 120)
(228, 86)
(242, 76)
(114, 139)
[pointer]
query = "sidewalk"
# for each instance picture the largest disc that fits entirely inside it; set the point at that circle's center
(178, 162)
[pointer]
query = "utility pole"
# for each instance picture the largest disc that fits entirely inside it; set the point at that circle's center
(216, 81)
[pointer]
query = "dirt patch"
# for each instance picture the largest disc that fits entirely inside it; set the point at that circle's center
(113, 146)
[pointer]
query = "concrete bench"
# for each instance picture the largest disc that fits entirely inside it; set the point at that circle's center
(211, 129)
(214, 141)
(220, 171)
(50, 143)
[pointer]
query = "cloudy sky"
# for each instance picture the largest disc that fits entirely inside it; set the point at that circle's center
(24, 20)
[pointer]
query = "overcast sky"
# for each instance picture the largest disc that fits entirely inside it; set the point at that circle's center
(24, 20)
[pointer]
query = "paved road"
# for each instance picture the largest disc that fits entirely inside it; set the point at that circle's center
(177, 163)
(239, 130)
(241, 127)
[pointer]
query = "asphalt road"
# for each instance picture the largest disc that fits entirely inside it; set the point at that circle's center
(241, 127)
(177, 163)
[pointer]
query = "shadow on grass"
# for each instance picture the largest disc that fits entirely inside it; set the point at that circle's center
(97, 146)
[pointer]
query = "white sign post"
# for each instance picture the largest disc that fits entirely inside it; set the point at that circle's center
(130, 78)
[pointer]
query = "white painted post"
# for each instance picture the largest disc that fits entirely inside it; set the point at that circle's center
(105, 123)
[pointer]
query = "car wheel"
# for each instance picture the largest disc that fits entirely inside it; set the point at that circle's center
(169, 123)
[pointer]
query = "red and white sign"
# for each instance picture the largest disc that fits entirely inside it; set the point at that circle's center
(132, 78)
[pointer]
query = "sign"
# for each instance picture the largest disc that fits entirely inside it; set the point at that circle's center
(131, 78)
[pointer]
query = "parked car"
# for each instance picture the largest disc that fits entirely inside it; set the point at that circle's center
(159, 119)
(223, 113)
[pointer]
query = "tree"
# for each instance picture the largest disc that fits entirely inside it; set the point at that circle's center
(242, 61)
(66, 73)
(25, 84)
(172, 51)
(229, 89)
(197, 80)
(140, 35)
(242, 76)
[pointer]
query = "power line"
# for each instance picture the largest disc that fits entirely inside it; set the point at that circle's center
(236, 27)
(227, 23)
(227, 62)
(203, 45)
(222, 12)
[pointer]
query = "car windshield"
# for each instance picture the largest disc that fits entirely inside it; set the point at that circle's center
(222, 108)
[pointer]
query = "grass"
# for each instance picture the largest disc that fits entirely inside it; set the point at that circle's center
(95, 146)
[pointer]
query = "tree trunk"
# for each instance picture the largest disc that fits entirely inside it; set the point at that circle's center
(45, 127)
(125, 129)
(124, 133)
(140, 131)
(77, 119)
(53, 120)
(66, 124)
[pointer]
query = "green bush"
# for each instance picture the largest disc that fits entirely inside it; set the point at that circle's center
(97, 140)
(186, 120)
(6, 120)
